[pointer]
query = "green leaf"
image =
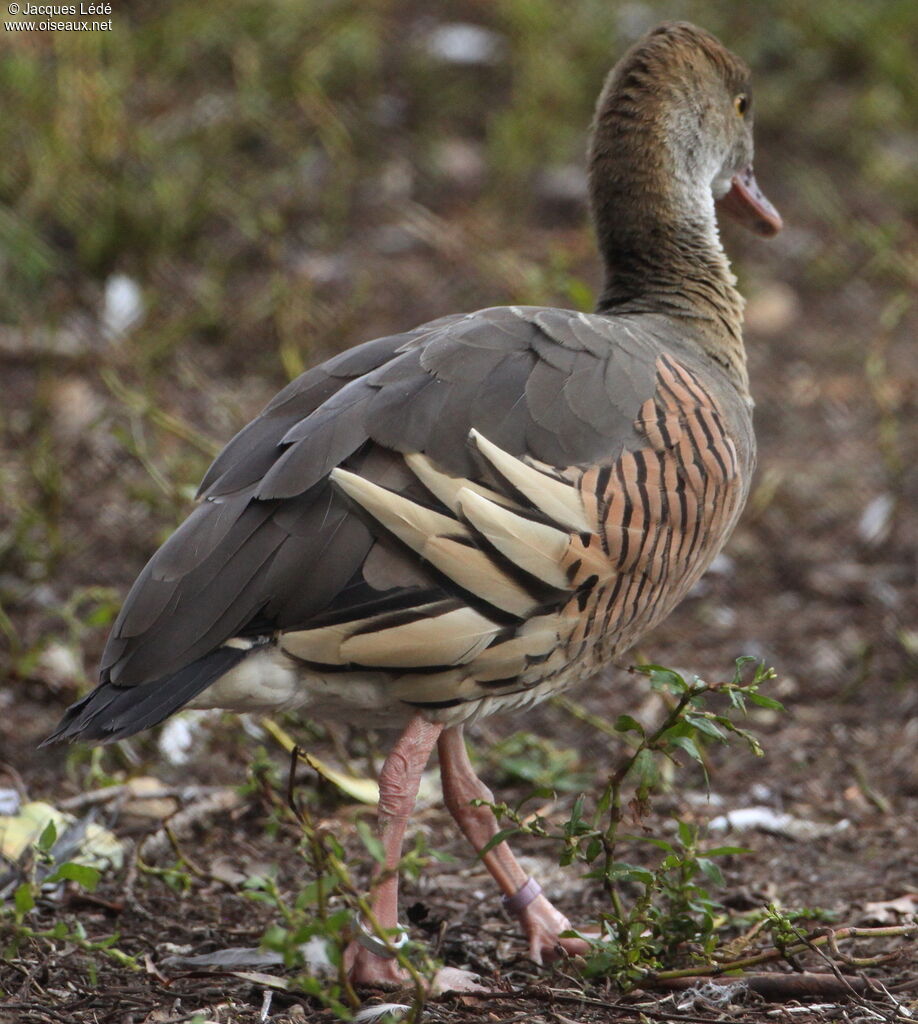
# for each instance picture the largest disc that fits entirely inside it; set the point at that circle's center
(577, 810)
(275, 938)
(726, 851)
(741, 662)
(48, 837)
(260, 897)
(706, 725)
(24, 899)
(371, 842)
(82, 874)
(311, 891)
(666, 679)
(660, 844)
(710, 870)
(766, 702)
(738, 700)
(679, 728)
(687, 833)
(622, 872)
(625, 723)
(496, 840)
(687, 744)
(644, 770)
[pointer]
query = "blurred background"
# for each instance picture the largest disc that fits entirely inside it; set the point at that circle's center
(207, 199)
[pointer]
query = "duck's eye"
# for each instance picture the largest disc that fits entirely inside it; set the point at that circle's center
(741, 103)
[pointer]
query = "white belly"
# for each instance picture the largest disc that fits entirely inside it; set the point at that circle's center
(268, 682)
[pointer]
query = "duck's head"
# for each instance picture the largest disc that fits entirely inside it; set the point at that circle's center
(673, 134)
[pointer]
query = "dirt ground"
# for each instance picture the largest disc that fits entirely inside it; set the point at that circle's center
(101, 446)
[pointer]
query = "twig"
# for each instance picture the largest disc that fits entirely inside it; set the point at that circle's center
(181, 823)
(870, 792)
(579, 712)
(17, 780)
(127, 791)
(777, 987)
(543, 994)
(770, 955)
(873, 989)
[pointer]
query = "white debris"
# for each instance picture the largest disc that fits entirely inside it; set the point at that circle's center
(723, 616)
(459, 42)
(315, 956)
(696, 798)
(786, 1011)
(708, 995)
(723, 565)
(314, 952)
(252, 728)
(10, 802)
(122, 305)
(369, 1014)
(176, 741)
(58, 665)
(876, 520)
(776, 823)
(566, 183)
(460, 160)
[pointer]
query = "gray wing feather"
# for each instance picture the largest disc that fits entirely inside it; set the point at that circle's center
(253, 451)
(322, 441)
(273, 546)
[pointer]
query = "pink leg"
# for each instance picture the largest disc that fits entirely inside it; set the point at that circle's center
(543, 923)
(398, 790)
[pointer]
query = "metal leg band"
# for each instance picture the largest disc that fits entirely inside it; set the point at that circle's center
(521, 899)
(372, 942)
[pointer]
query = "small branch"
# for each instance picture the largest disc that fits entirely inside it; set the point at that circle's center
(181, 824)
(770, 955)
(776, 987)
(128, 791)
(579, 712)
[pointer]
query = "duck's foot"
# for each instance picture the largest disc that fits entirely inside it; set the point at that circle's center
(366, 970)
(544, 924)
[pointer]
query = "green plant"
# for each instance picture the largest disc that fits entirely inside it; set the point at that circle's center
(40, 871)
(661, 913)
(325, 908)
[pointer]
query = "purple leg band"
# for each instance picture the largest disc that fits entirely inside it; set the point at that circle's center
(521, 899)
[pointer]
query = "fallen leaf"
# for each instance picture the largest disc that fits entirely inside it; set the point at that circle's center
(891, 911)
